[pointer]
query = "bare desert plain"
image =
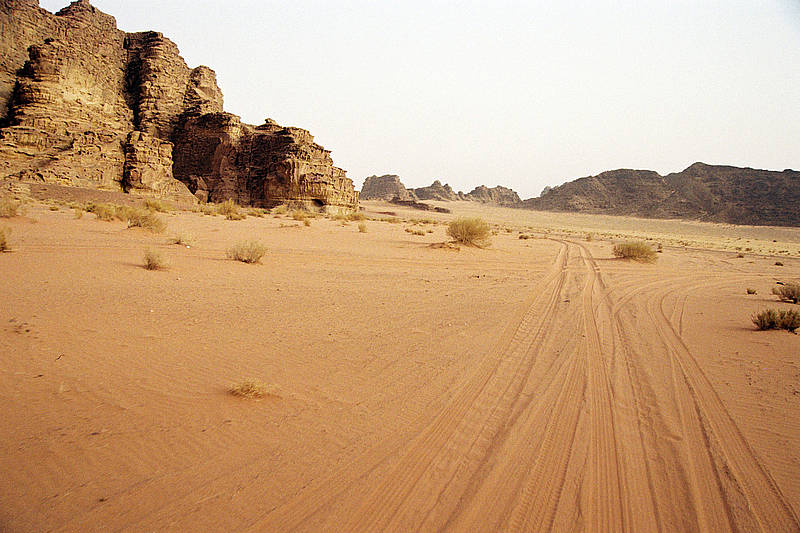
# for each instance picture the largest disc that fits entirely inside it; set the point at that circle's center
(538, 384)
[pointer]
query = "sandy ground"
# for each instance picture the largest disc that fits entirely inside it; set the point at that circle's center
(535, 385)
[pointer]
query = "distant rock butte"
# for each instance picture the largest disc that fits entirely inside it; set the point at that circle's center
(712, 193)
(389, 187)
(85, 104)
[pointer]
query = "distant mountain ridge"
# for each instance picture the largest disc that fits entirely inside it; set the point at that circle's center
(714, 193)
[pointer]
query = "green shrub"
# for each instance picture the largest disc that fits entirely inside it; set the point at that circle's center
(154, 260)
(635, 250)
(4, 244)
(247, 251)
(470, 231)
(147, 220)
(788, 292)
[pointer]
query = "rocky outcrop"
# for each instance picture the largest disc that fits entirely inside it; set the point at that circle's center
(386, 187)
(701, 192)
(86, 104)
(436, 191)
(496, 196)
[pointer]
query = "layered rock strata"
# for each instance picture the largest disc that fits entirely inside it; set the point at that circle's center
(88, 105)
(386, 187)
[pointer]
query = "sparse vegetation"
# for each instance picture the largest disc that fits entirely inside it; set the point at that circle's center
(635, 250)
(251, 389)
(470, 231)
(154, 204)
(230, 210)
(778, 263)
(9, 207)
(153, 260)
(524, 236)
(4, 244)
(788, 292)
(184, 239)
(77, 212)
(780, 319)
(362, 227)
(751, 291)
(247, 251)
(299, 215)
(147, 220)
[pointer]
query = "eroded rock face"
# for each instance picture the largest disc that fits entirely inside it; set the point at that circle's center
(436, 191)
(86, 104)
(496, 196)
(386, 187)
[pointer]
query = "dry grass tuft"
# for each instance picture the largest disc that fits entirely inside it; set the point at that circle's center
(230, 210)
(4, 244)
(636, 251)
(10, 208)
(247, 252)
(751, 291)
(470, 231)
(184, 239)
(153, 260)
(362, 227)
(252, 389)
(788, 292)
(781, 319)
(154, 204)
(147, 220)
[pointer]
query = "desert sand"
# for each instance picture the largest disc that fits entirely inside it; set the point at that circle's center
(536, 385)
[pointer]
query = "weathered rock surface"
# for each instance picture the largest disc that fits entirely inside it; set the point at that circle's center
(386, 187)
(86, 104)
(496, 196)
(702, 192)
(436, 191)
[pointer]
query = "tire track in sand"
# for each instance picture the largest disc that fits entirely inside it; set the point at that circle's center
(441, 450)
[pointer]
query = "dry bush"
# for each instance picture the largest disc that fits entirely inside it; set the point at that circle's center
(184, 239)
(781, 319)
(356, 216)
(4, 244)
(589, 237)
(257, 213)
(10, 207)
(524, 236)
(146, 220)
(751, 291)
(470, 231)
(788, 292)
(154, 204)
(299, 215)
(280, 210)
(252, 389)
(153, 260)
(208, 209)
(247, 251)
(306, 222)
(106, 212)
(230, 210)
(778, 263)
(362, 227)
(77, 212)
(635, 250)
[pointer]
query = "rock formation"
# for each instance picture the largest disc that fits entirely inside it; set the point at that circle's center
(436, 191)
(701, 192)
(85, 104)
(496, 196)
(386, 187)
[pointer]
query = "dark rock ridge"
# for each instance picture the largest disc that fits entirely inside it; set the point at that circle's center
(713, 193)
(85, 104)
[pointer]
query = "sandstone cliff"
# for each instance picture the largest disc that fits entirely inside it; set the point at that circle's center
(495, 195)
(436, 191)
(702, 192)
(85, 104)
(386, 187)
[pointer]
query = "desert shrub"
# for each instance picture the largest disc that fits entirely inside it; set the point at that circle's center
(153, 260)
(778, 263)
(230, 210)
(257, 213)
(208, 209)
(524, 236)
(77, 212)
(147, 220)
(589, 237)
(739, 256)
(184, 239)
(781, 319)
(751, 291)
(154, 204)
(362, 227)
(4, 244)
(306, 222)
(635, 250)
(54, 208)
(280, 209)
(247, 251)
(106, 212)
(356, 216)
(299, 214)
(250, 389)
(788, 292)
(392, 220)
(469, 231)
(10, 207)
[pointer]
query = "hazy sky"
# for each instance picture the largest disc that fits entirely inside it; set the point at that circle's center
(521, 94)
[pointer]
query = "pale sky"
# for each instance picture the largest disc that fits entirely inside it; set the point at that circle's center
(520, 94)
